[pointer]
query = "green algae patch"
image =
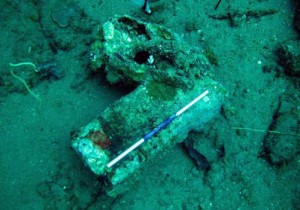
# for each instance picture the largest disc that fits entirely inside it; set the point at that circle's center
(161, 91)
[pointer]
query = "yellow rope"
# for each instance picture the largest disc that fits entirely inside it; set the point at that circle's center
(22, 80)
(24, 64)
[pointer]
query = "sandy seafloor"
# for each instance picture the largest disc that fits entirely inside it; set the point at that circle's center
(39, 170)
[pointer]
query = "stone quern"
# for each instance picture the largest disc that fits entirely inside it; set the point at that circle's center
(164, 74)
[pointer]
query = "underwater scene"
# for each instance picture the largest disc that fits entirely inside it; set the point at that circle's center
(150, 104)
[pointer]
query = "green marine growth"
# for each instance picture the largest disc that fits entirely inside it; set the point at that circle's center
(165, 74)
(132, 52)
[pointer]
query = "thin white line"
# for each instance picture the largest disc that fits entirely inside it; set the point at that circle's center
(192, 103)
(114, 161)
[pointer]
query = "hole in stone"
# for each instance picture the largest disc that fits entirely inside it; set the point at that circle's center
(141, 57)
